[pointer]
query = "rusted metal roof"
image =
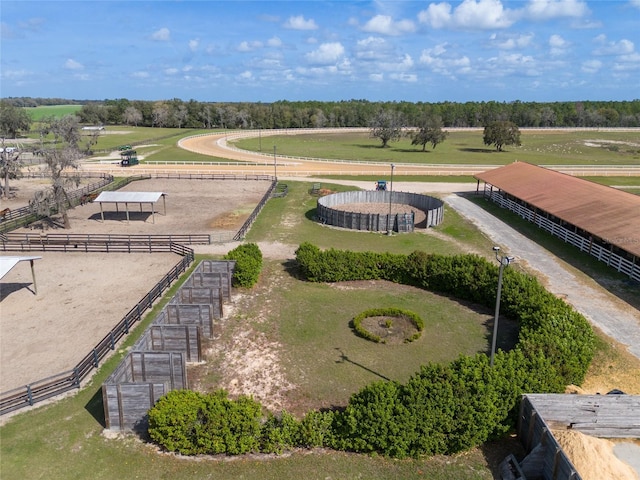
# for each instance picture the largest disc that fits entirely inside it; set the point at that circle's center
(606, 212)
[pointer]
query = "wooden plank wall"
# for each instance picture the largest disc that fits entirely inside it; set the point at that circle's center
(126, 404)
(202, 315)
(157, 363)
(172, 338)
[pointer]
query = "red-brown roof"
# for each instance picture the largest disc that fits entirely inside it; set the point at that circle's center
(606, 212)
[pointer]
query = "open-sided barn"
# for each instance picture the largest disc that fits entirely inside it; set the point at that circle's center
(600, 220)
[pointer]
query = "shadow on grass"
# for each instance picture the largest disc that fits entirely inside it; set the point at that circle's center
(95, 407)
(614, 282)
(345, 359)
(481, 150)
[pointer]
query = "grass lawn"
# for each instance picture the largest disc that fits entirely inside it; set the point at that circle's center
(290, 220)
(56, 111)
(540, 148)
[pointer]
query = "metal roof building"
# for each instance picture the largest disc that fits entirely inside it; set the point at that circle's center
(131, 197)
(600, 220)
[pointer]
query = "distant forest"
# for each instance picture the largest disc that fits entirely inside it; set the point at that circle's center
(349, 113)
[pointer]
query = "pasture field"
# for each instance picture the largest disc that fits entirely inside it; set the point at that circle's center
(56, 111)
(553, 147)
(65, 440)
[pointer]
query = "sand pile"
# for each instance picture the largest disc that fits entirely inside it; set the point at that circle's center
(593, 457)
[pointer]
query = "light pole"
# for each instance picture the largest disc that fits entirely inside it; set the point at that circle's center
(503, 261)
(275, 164)
(389, 221)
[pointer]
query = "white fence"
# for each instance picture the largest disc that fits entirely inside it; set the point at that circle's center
(605, 255)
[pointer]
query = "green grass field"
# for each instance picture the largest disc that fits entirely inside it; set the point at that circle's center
(56, 111)
(540, 148)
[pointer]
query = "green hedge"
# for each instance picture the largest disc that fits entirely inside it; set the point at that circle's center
(449, 408)
(441, 409)
(248, 259)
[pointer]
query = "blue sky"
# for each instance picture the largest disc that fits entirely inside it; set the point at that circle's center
(264, 51)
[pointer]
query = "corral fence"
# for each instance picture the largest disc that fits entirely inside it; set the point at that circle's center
(378, 222)
(115, 243)
(603, 254)
(247, 224)
(158, 361)
(23, 216)
(58, 384)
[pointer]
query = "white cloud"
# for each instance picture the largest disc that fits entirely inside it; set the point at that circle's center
(171, 71)
(274, 42)
(193, 44)
(558, 45)
(249, 46)
(71, 64)
(140, 74)
(591, 66)
(635, 3)
(372, 48)
(511, 42)
(437, 60)
(385, 25)
(326, 53)
(472, 14)
(300, 23)
(404, 77)
(623, 47)
(161, 35)
(404, 64)
(376, 77)
(547, 9)
(246, 75)
(626, 63)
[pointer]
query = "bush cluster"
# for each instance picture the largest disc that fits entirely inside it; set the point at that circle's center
(386, 312)
(449, 408)
(194, 423)
(441, 409)
(248, 259)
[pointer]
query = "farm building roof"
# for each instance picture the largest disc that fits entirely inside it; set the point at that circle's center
(605, 212)
(129, 197)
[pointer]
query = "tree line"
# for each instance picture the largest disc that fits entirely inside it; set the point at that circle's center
(176, 113)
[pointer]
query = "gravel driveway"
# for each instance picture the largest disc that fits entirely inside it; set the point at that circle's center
(613, 316)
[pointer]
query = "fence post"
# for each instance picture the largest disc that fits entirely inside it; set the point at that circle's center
(77, 375)
(29, 395)
(95, 358)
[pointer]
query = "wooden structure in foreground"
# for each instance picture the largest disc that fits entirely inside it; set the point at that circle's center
(604, 416)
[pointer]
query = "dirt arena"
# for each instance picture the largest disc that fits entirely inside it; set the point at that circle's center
(82, 296)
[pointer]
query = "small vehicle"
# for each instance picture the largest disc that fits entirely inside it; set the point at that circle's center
(381, 185)
(122, 148)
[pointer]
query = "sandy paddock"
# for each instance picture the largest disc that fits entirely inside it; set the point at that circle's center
(82, 296)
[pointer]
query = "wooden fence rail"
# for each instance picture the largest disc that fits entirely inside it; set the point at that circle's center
(55, 385)
(247, 224)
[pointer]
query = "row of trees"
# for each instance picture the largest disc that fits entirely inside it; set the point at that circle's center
(353, 113)
(391, 125)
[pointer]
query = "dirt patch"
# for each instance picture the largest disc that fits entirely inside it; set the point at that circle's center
(81, 297)
(390, 330)
(190, 206)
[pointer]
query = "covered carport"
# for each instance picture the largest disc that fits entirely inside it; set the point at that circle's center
(7, 263)
(127, 198)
